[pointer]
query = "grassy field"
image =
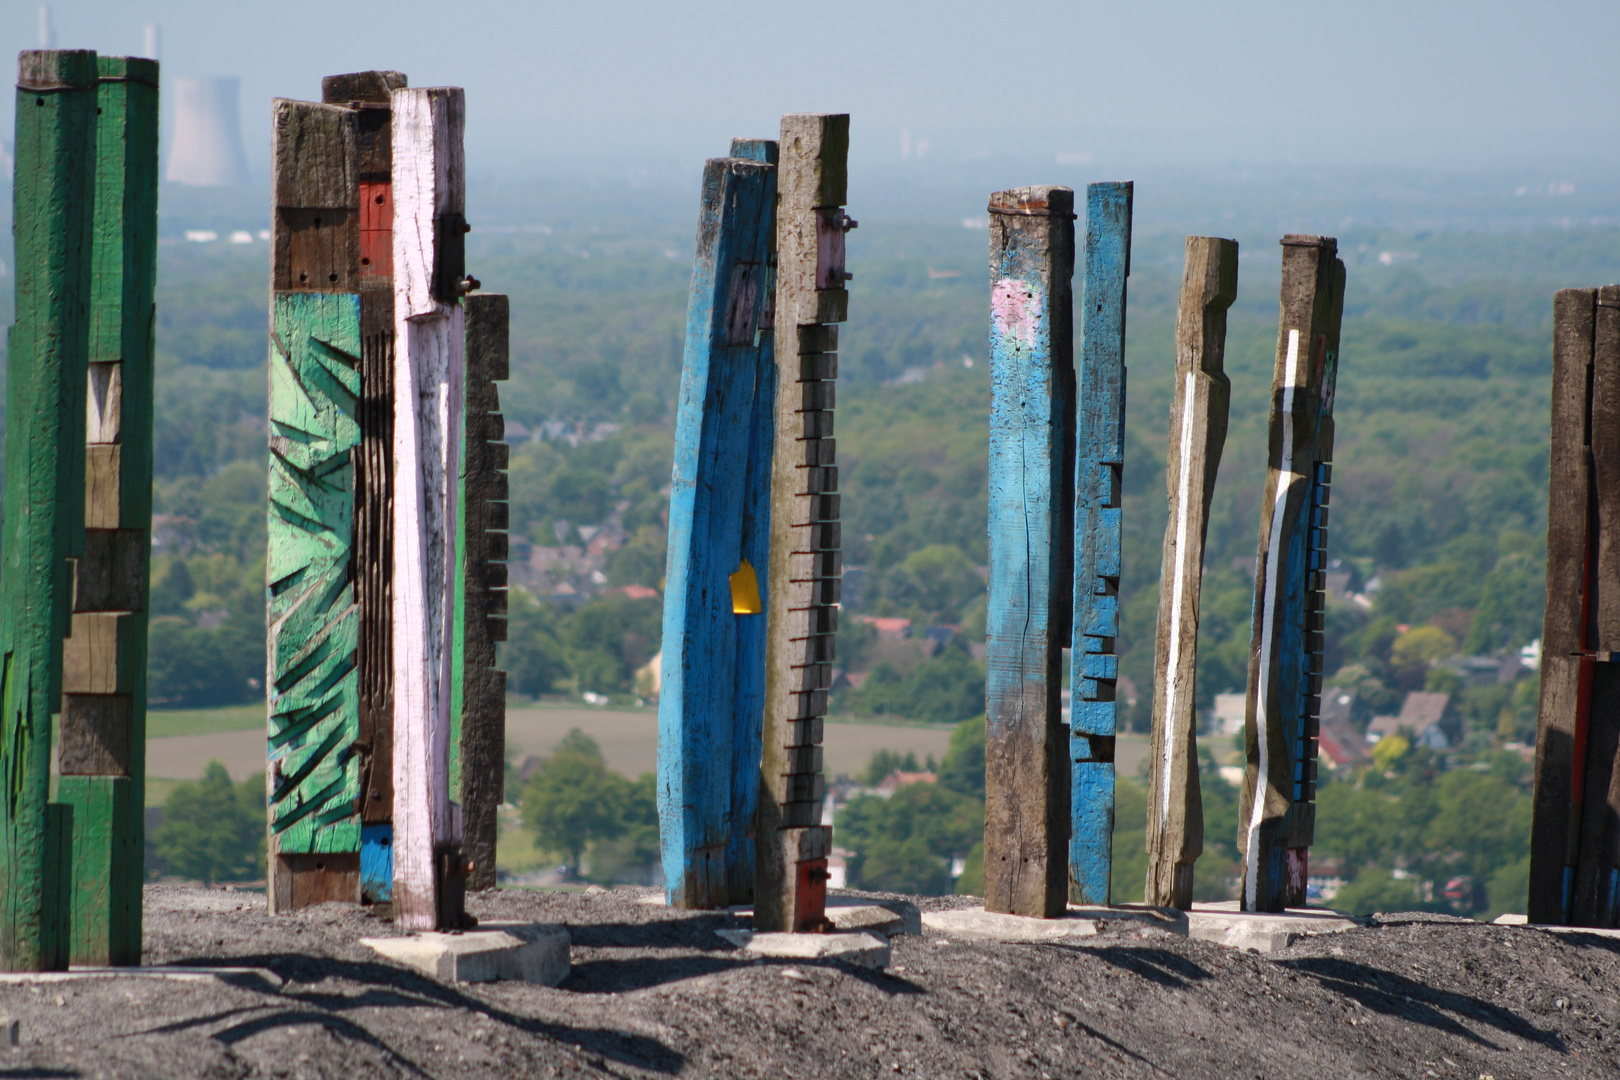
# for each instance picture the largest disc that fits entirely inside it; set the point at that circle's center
(161, 724)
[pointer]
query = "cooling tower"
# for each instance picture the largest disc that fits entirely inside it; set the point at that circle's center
(206, 149)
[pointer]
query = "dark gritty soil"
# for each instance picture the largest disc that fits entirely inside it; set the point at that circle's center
(654, 993)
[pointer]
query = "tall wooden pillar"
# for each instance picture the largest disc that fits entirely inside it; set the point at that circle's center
(429, 193)
(713, 667)
(1099, 462)
(367, 92)
(1031, 487)
(478, 711)
(52, 194)
(1575, 830)
(805, 558)
(1277, 812)
(315, 392)
(1175, 824)
(102, 755)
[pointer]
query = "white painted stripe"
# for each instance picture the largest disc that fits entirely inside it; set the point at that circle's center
(1286, 477)
(1177, 590)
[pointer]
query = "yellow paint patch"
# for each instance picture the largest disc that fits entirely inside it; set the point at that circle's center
(745, 591)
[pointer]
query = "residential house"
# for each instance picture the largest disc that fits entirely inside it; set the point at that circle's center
(1430, 718)
(1229, 713)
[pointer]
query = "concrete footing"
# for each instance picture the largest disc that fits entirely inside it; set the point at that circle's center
(1260, 931)
(168, 974)
(863, 948)
(977, 924)
(520, 952)
(1553, 928)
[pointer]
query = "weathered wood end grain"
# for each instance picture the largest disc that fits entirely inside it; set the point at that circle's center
(1032, 388)
(1175, 827)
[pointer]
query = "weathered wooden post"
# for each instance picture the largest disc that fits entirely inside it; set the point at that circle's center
(1277, 812)
(711, 689)
(805, 560)
(1574, 845)
(52, 195)
(367, 92)
(102, 756)
(1175, 828)
(314, 621)
(1099, 464)
(1026, 822)
(478, 742)
(429, 191)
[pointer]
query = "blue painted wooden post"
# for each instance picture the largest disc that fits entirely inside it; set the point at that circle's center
(719, 528)
(1026, 823)
(1099, 463)
(1277, 813)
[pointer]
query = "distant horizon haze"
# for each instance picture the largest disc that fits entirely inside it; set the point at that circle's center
(621, 86)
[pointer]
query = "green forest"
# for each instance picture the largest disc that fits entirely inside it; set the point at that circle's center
(1439, 504)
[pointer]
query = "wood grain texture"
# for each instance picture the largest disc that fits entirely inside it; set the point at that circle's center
(478, 744)
(1175, 827)
(711, 681)
(1026, 829)
(1099, 464)
(315, 192)
(313, 688)
(103, 735)
(805, 565)
(1276, 810)
(1555, 819)
(48, 356)
(429, 341)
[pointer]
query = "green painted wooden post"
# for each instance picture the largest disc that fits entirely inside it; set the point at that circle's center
(103, 728)
(44, 497)
(312, 680)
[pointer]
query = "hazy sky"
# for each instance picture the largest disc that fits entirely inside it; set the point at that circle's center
(550, 86)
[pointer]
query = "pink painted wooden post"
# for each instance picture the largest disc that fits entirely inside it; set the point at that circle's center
(429, 279)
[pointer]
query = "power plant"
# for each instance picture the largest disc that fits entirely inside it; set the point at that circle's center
(206, 147)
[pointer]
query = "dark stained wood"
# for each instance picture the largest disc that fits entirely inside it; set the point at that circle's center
(1554, 821)
(95, 738)
(315, 245)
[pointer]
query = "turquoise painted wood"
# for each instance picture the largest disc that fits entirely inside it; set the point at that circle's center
(44, 486)
(314, 622)
(712, 678)
(1099, 462)
(1026, 828)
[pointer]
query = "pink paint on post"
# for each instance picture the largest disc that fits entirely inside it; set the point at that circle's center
(1015, 311)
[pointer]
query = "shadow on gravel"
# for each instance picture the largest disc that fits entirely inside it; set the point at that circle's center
(391, 987)
(608, 976)
(1155, 965)
(687, 933)
(26, 1073)
(1396, 995)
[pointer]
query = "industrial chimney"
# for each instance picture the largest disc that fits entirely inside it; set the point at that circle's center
(206, 150)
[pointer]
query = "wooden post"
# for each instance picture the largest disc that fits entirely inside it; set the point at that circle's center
(1099, 464)
(478, 743)
(1026, 820)
(1575, 832)
(102, 756)
(1175, 829)
(429, 191)
(367, 92)
(711, 687)
(805, 561)
(1277, 812)
(44, 487)
(1567, 666)
(311, 682)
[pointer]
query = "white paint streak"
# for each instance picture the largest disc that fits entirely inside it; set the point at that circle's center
(1015, 311)
(1286, 477)
(428, 375)
(1178, 587)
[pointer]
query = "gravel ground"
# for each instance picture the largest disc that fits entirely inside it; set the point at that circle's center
(655, 993)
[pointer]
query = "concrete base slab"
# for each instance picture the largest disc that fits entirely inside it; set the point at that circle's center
(521, 952)
(863, 949)
(169, 974)
(849, 913)
(1261, 931)
(977, 924)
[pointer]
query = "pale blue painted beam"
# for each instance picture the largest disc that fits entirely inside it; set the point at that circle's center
(1099, 463)
(712, 669)
(1030, 514)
